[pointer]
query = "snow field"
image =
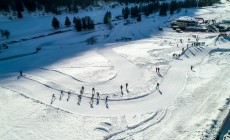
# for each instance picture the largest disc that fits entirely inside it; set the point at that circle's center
(190, 104)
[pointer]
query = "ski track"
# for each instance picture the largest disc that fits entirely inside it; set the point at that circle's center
(115, 59)
(140, 127)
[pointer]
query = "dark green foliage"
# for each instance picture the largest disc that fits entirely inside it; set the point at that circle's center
(126, 13)
(163, 9)
(134, 12)
(74, 20)
(91, 25)
(55, 23)
(5, 33)
(78, 25)
(139, 18)
(72, 5)
(84, 23)
(107, 17)
(173, 7)
(30, 5)
(20, 14)
(67, 22)
(84, 26)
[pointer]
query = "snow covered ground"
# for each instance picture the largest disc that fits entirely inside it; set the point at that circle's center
(189, 104)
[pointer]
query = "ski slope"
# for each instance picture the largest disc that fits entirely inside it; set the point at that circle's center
(190, 103)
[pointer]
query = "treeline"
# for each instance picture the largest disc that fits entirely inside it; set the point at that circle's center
(163, 8)
(85, 23)
(72, 5)
(45, 5)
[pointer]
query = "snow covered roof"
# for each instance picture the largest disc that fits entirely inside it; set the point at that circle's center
(187, 18)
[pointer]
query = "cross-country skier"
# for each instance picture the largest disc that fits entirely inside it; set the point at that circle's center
(106, 99)
(157, 87)
(68, 96)
(93, 90)
(126, 85)
(82, 89)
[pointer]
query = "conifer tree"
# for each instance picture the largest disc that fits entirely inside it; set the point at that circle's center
(67, 22)
(139, 18)
(74, 20)
(55, 23)
(78, 25)
(20, 14)
(126, 14)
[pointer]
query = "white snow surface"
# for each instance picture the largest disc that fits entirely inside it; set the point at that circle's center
(189, 104)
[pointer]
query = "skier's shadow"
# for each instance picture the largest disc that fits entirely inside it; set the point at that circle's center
(98, 101)
(19, 77)
(107, 105)
(79, 100)
(159, 74)
(52, 100)
(160, 91)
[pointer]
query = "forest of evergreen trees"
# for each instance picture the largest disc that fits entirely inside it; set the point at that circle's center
(72, 5)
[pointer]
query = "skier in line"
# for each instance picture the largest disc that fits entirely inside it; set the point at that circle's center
(98, 96)
(126, 85)
(106, 99)
(82, 89)
(191, 67)
(68, 96)
(91, 101)
(121, 89)
(157, 69)
(79, 99)
(93, 90)
(53, 96)
(61, 95)
(157, 87)
(92, 96)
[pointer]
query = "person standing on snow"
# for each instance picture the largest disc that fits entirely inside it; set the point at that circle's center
(157, 87)
(93, 90)
(126, 85)
(106, 99)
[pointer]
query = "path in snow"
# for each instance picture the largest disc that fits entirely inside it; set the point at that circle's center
(170, 88)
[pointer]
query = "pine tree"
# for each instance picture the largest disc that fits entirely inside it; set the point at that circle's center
(139, 18)
(5, 33)
(78, 25)
(173, 7)
(20, 14)
(126, 14)
(84, 26)
(107, 17)
(123, 12)
(74, 20)
(163, 9)
(55, 23)
(67, 22)
(91, 25)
